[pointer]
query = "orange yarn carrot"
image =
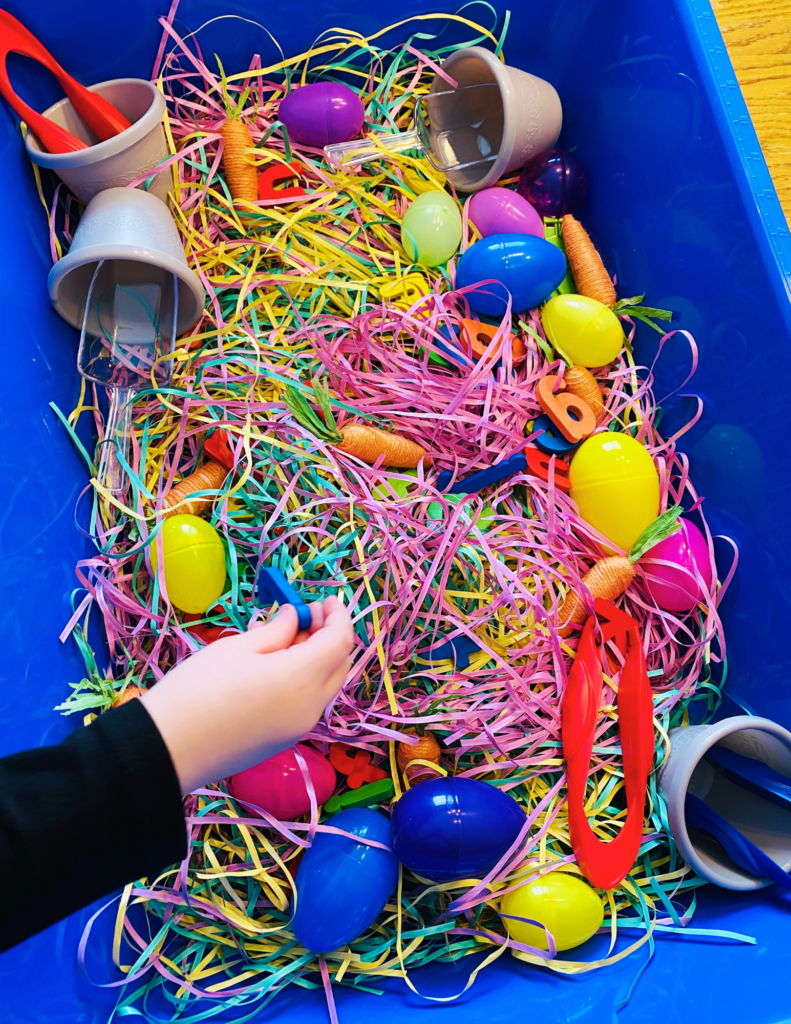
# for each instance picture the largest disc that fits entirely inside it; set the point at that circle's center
(240, 172)
(427, 749)
(128, 694)
(208, 478)
(610, 576)
(590, 275)
(365, 442)
(580, 381)
(368, 443)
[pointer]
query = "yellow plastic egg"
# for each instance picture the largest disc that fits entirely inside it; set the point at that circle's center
(616, 486)
(563, 903)
(431, 229)
(583, 329)
(194, 563)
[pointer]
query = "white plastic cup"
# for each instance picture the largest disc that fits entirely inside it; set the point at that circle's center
(531, 114)
(136, 229)
(764, 823)
(116, 161)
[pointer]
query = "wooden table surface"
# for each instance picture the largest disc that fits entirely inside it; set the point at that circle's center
(758, 36)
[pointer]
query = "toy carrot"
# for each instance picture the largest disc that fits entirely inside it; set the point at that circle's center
(208, 478)
(610, 576)
(580, 381)
(365, 442)
(590, 275)
(426, 749)
(240, 173)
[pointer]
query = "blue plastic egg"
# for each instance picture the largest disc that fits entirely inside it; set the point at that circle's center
(446, 829)
(528, 267)
(342, 886)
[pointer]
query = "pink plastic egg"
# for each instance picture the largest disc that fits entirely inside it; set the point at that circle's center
(500, 211)
(277, 785)
(673, 589)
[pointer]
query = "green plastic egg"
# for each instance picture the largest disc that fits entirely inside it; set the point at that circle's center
(616, 486)
(583, 329)
(194, 563)
(563, 903)
(431, 229)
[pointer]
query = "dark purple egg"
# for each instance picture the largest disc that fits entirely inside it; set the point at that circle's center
(554, 182)
(322, 114)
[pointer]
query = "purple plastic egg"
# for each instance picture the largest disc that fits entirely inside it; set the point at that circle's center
(554, 182)
(673, 588)
(322, 114)
(501, 211)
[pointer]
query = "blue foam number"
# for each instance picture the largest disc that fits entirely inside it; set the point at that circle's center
(477, 481)
(459, 649)
(550, 441)
(343, 885)
(272, 586)
(446, 829)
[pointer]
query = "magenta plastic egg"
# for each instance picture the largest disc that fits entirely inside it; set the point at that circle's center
(322, 114)
(276, 785)
(501, 211)
(674, 587)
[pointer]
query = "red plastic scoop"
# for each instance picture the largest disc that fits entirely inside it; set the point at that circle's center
(100, 116)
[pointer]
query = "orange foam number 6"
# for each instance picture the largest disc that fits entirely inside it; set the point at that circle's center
(478, 337)
(573, 417)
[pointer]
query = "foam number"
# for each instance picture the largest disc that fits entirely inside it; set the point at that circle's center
(356, 764)
(478, 336)
(571, 415)
(276, 174)
(538, 465)
(406, 291)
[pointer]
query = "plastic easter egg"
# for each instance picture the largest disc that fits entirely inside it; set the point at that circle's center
(562, 903)
(675, 587)
(526, 267)
(616, 486)
(431, 229)
(554, 183)
(501, 211)
(343, 885)
(583, 329)
(194, 563)
(322, 114)
(446, 829)
(277, 785)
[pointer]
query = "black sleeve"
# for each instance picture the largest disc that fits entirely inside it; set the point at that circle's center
(82, 818)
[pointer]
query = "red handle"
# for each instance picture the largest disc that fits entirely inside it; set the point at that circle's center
(100, 116)
(605, 864)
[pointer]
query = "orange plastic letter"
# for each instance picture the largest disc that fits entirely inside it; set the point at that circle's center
(573, 417)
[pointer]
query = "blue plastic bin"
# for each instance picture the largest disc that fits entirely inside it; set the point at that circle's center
(684, 210)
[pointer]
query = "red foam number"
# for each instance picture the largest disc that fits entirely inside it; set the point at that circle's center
(356, 764)
(277, 174)
(606, 864)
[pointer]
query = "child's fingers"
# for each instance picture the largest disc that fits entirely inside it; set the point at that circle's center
(278, 634)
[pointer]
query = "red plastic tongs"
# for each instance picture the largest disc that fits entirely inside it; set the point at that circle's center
(100, 116)
(605, 864)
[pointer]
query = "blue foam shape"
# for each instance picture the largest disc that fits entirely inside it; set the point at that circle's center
(460, 648)
(273, 586)
(477, 481)
(550, 440)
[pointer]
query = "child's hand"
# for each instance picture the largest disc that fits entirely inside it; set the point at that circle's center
(247, 697)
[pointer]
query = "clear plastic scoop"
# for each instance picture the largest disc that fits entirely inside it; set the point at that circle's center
(128, 327)
(455, 128)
